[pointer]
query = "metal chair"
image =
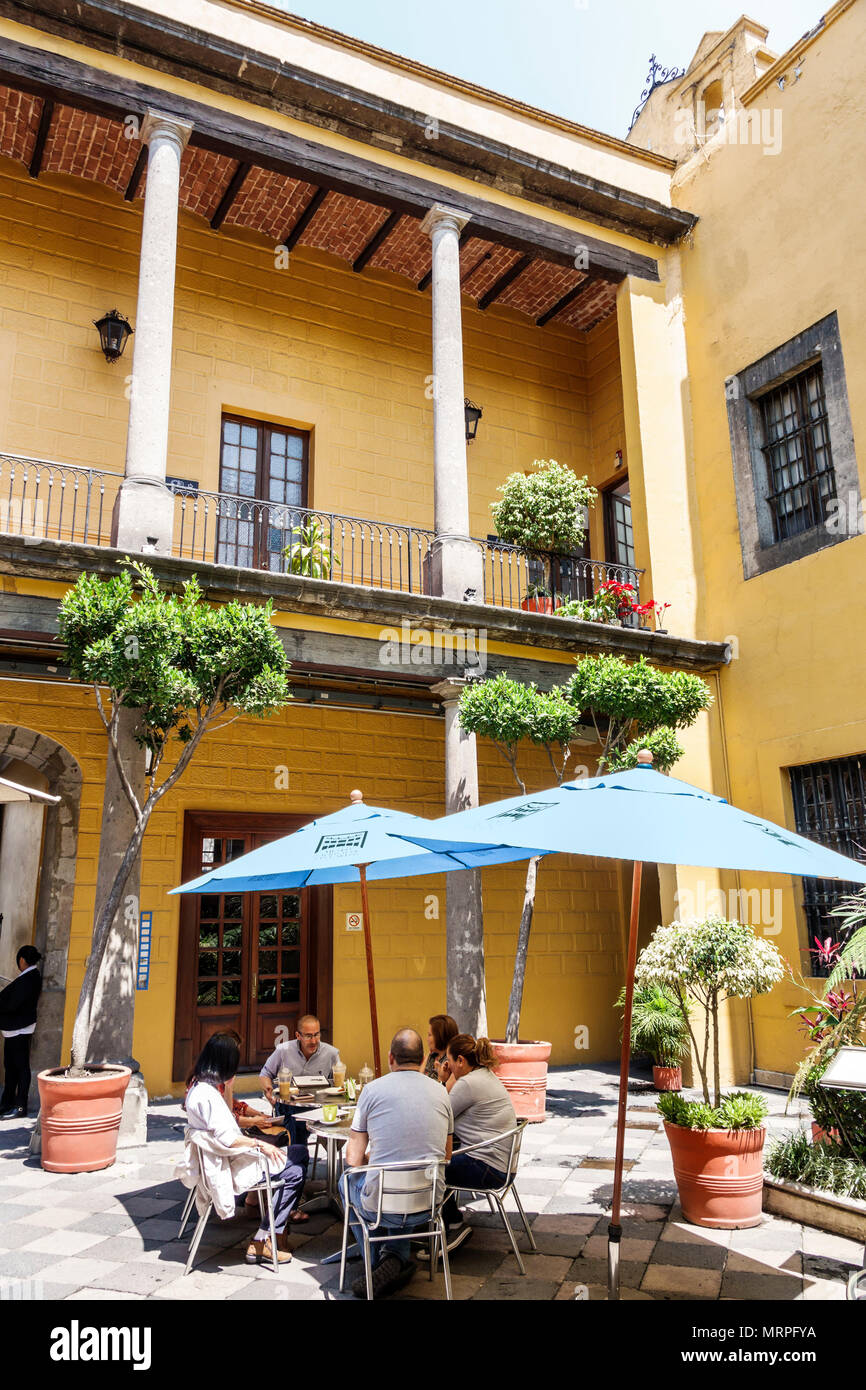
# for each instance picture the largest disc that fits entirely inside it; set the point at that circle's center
(496, 1196)
(403, 1189)
(265, 1193)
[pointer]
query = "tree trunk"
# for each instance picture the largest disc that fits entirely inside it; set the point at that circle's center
(101, 930)
(512, 1030)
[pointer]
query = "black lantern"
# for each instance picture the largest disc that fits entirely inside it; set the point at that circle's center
(114, 330)
(473, 414)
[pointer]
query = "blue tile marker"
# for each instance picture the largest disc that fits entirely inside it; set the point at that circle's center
(142, 974)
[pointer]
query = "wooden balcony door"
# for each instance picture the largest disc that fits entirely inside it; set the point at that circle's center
(265, 468)
(254, 962)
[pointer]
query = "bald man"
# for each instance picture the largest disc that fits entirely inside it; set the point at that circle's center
(400, 1118)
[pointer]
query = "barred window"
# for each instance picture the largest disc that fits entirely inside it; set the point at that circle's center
(830, 807)
(797, 453)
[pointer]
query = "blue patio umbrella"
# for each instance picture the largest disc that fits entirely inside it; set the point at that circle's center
(353, 845)
(643, 816)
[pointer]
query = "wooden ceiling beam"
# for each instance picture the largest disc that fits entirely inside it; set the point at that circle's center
(136, 176)
(43, 128)
(292, 237)
(563, 303)
(501, 285)
(376, 241)
(232, 191)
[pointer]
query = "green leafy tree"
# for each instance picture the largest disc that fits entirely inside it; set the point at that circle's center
(709, 961)
(509, 712)
(658, 1025)
(633, 705)
(186, 669)
(542, 512)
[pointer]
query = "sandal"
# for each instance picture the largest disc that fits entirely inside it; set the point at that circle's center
(298, 1218)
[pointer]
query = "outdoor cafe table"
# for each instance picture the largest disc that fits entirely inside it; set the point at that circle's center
(333, 1137)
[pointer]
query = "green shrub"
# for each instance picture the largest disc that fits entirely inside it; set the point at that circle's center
(739, 1110)
(822, 1166)
(829, 1107)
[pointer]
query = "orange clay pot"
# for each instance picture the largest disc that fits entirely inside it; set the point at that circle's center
(824, 1136)
(80, 1118)
(523, 1072)
(719, 1174)
(668, 1078)
(537, 603)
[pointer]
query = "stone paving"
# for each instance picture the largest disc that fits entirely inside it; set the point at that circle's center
(113, 1234)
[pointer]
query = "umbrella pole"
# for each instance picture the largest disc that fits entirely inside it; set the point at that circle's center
(614, 1230)
(371, 982)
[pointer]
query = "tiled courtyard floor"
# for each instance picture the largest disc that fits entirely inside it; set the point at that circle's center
(113, 1234)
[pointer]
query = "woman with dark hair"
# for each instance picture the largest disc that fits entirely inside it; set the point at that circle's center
(219, 1143)
(482, 1110)
(18, 1023)
(441, 1029)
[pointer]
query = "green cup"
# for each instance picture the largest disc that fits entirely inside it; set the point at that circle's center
(329, 1113)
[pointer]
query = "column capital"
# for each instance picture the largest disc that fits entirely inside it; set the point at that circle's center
(159, 125)
(450, 690)
(442, 215)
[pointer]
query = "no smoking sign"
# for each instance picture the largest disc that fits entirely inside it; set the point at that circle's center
(354, 921)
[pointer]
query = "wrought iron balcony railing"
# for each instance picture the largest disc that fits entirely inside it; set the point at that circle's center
(43, 500)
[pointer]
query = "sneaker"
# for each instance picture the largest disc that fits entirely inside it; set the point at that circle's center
(14, 1114)
(388, 1276)
(259, 1252)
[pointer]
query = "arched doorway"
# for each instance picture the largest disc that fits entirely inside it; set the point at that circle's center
(56, 771)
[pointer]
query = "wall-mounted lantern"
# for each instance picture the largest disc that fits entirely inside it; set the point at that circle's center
(473, 414)
(114, 330)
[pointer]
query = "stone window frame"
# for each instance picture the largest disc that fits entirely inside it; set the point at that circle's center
(819, 343)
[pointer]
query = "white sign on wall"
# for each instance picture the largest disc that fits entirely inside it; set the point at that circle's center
(354, 921)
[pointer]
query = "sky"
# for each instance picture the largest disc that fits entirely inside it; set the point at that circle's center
(584, 59)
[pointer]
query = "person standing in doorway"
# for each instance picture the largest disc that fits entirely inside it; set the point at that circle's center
(18, 1003)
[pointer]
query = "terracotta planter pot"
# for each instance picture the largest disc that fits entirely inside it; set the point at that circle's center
(824, 1136)
(719, 1174)
(668, 1078)
(537, 604)
(80, 1118)
(523, 1072)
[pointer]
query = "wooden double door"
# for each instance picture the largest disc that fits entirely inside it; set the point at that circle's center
(254, 962)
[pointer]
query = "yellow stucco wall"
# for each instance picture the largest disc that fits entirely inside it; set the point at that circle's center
(775, 250)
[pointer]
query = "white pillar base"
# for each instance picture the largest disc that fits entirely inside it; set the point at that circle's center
(455, 569)
(143, 517)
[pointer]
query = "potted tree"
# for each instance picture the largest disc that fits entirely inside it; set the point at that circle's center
(658, 1026)
(543, 513)
(716, 1143)
(639, 707)
(183, 669)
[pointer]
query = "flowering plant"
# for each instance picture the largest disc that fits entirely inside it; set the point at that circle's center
(709, 961)
(614, 602)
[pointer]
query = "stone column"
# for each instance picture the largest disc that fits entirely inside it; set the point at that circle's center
(144, 510)
(456, 563)
(464, 924)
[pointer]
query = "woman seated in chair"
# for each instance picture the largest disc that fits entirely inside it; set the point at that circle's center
(482, 1111)
(208, 1111)
(441, 1029)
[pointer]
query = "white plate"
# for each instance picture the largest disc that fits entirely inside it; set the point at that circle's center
(339, 1120)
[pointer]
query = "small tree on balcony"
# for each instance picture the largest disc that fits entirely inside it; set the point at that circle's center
(186, 669)
(631, 705)
(543, 512)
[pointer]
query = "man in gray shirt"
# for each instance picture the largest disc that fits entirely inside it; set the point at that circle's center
(401, 1117)
(305, 1055)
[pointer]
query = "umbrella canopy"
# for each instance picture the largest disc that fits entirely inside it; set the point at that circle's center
(331, 848)
(348, 846)
(644, 816)
(639, 815)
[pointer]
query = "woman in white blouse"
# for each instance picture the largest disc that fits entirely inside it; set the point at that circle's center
(208, 1111)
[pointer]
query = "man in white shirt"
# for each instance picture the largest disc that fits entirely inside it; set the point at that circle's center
(401, 1118)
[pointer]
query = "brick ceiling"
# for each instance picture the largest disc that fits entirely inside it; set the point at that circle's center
(84, 145)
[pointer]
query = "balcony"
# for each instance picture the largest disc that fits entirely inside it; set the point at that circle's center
(42, 500)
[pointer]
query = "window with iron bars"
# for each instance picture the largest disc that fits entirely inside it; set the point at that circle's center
(830, 807)
(796, 450)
